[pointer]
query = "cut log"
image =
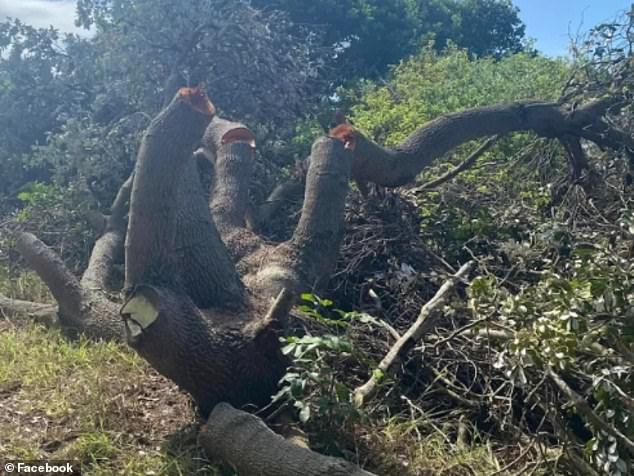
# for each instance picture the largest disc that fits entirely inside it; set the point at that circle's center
(244, 442)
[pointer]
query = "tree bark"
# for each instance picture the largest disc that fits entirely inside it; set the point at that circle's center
(392, 167)
(206, 269)
(307, 259)
(109, 247)
(188, 313)
(167, 146)
(44, 313)
(244, 442)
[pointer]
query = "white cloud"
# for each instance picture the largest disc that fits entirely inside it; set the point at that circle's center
(42, 13)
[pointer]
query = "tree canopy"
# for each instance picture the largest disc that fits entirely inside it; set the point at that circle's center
(364, 37)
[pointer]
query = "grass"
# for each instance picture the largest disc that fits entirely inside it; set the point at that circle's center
(96, 403)
(102, 405)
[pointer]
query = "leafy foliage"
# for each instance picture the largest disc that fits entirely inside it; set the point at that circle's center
(367, 36)
(432, 84)
(316, 384)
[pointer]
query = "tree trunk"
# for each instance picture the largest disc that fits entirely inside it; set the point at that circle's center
(187, 310)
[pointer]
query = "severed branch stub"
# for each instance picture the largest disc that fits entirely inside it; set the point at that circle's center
(414, 333)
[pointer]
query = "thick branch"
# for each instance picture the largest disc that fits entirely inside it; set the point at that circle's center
(109, 247)
(230, 146)
(220, 132)
(49, 266)
(204, 353)
(577, 160)
(230, 194)
(396, 166)
(166, 148)
(244, 442)
(306, 261)
(413, 334)
(207, 272)
(320, 229)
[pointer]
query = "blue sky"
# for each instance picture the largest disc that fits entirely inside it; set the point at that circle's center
(550, 22)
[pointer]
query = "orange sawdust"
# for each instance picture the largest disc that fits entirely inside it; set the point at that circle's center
(198, 99)
(346, 134)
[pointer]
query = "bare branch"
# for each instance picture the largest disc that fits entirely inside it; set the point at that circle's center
(464, 165)
(50, 267)
(582, 407)
(45, 313)
(414, 333)
(397, 166)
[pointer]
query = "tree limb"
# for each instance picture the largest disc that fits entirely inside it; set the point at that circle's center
(206, 269)
(464, 165)
(45, 313)
(397, 166)
(49, 266)
(166, 148)
(413, 334)
(244, 442)
(109, 246)
(319, 232)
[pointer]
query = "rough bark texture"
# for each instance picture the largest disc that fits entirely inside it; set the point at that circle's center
(230, 197)
(247, 444)
(167, 146)
(205, 266)
(214, 354)
(108, 248)
(44, 313)
(80, 310)
(397, 166)
(209, 355)
(308, 258)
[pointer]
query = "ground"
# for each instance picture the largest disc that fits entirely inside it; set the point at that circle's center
(100, 404)
(97, 403)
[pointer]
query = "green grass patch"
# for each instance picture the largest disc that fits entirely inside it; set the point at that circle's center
(95, 403)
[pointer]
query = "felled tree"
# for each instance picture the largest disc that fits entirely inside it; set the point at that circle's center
(205, 298)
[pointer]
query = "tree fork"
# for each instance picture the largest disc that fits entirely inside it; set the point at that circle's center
(307, 259)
